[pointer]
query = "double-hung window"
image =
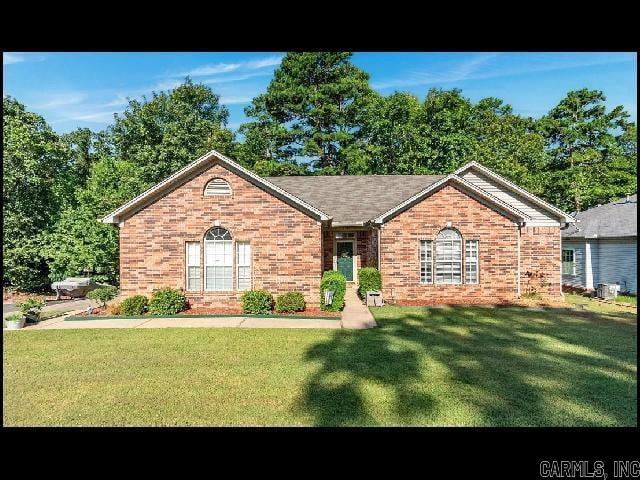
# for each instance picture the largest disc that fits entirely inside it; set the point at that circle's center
(426, 262)
(448, 257)
(243, 262)
(471, 261)
(218, 260)
(568, 263)
(193, 266)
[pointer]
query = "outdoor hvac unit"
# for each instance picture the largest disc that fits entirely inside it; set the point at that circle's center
(374, 298)
(607, 291)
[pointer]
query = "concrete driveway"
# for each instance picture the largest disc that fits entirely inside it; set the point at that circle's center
(53, 306)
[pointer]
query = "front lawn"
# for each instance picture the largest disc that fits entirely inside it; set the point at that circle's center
(445, 366)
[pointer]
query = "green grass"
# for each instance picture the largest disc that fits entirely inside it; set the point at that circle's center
(627, 299)
(442, 366)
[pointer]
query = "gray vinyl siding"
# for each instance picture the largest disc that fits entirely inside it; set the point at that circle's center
(618, 263)
(539, 216)
(579, 279)
(613, 260)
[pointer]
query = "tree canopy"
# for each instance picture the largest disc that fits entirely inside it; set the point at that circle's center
(318, 115)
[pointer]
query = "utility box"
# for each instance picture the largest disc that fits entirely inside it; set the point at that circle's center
(607, 291)
(374, 298)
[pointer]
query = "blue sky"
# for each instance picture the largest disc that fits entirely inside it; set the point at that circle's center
(73, 90)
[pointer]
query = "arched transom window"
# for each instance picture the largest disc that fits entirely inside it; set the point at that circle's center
(448, 256)
(217, 186)
(218, 260)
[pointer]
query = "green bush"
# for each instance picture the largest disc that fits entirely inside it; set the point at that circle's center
(135, 305)
(103, 294)
(369, 279)
(167, 301)
(31, 306)
(333, 280)
(13, 317)
(290, 302)
(256, 301)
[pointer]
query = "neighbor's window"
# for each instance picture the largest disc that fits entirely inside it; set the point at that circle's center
(243, 262)
(449, 257)
(193, 266)
(218, 260)
(471, 261)
(426, 262)
(568, 264)
(217, 186)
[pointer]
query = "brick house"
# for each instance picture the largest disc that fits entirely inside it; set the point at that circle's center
(215, 229)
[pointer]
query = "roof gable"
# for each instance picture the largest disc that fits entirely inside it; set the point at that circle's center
(463, 185)
(198, 166)
(530, 203)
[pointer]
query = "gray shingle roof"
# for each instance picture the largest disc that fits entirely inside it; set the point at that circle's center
(354, 199)
(615, 219)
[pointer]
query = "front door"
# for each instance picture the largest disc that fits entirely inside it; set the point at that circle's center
(344, 256)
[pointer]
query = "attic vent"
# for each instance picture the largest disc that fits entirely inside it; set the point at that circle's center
(217, 186)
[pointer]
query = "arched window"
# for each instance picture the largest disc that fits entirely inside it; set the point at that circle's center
(218, 260)
(217, 186)
(448, 256)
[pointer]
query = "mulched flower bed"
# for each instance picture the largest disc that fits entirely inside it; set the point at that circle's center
(309, 312)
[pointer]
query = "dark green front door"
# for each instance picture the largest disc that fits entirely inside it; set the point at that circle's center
(345, 259)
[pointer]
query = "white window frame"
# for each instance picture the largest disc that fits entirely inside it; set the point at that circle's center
(426, 260)
(573, 260)
(218, 254)
(192, 260)
(475, 261)
(442, 243)
(243, 264)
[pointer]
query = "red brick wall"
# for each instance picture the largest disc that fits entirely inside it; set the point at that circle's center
(285, 243)
(399, 251)
(540, 260)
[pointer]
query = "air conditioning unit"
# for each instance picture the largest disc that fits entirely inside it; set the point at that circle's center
(607, 291)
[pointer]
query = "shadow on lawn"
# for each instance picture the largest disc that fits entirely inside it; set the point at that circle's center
(509, 366)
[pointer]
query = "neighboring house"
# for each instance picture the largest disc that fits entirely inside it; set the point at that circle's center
(602, 246)
(216, 229)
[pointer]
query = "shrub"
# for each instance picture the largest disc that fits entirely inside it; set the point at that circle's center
(113, 309)
(167, 301)
(13, 317)
(135, 305)
(103, 294)
(31, 306)
(256, 301)
(290, 302)
(333, 280)
(369, 279)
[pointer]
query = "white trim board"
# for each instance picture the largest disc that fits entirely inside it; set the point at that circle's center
(506, 183)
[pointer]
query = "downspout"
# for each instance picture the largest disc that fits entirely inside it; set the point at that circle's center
(560, 233)
(518, 263)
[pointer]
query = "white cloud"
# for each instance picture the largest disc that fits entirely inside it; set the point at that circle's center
(521, 63)
(221, 68)
(58, 100)
(119, 101)
(9, 58)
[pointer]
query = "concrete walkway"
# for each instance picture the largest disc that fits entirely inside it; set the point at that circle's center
(355, 314)
(182, 322)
